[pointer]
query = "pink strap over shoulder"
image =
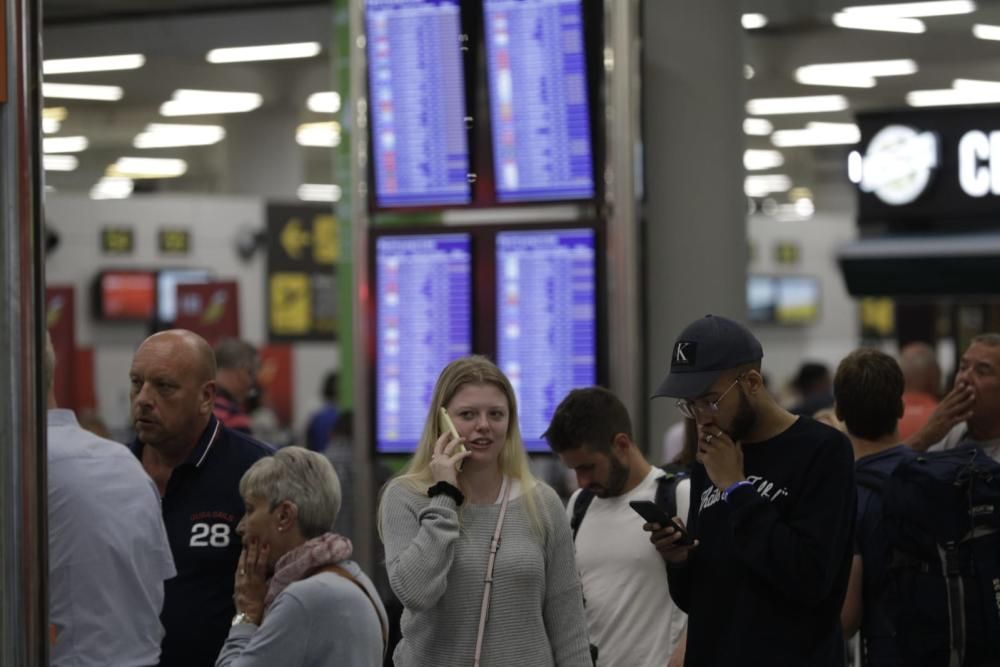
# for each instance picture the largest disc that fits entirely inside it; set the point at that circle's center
(494, 546)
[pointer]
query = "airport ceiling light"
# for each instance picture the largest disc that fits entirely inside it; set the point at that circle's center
(325, 102)
(757, 127)
(59, 162)
(173, 135)
(326, 134)
(112, 187)
(758, 160)
(773, 106)
(763, 185)
(913, 10)
(818, 134)
(97, 64)
(243, 54)
(64, 144)
(983, 31)
(52, 119)
(853, 74)
(963, 91)
(79, 91)
(881, 24)
(753, 21)
(185, 102)
(318, 192)
(147, 167)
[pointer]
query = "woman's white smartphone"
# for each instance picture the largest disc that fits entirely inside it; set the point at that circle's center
(449, 426)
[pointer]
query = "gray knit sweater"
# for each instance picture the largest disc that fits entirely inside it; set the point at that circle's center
(437, 570)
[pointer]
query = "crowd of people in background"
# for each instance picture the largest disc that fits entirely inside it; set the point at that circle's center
(777, 525)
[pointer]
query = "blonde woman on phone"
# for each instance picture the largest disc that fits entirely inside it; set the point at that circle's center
(439, 524)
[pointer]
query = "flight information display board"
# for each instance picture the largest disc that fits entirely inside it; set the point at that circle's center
(417, 103)
(546, 320)
(423, 310)
(537, 71)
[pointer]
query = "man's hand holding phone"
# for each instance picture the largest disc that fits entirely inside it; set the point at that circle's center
(667, 534)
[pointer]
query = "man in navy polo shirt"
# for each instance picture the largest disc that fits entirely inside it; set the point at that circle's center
(196, 463)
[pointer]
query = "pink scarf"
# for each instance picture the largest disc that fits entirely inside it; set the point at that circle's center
(305, 560)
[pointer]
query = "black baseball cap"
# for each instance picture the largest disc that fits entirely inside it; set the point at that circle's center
(705, 350)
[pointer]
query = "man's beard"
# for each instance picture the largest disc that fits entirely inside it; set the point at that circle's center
(744, 421)
(617, 478)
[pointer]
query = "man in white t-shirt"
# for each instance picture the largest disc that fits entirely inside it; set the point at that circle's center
(971, 410)
(630, 615)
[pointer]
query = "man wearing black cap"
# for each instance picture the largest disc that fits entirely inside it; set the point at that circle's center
(772, 512)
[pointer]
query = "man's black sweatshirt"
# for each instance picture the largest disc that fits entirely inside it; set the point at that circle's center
(766, 584)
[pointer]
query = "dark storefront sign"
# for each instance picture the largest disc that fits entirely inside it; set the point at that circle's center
(930, 170)
(928, 204)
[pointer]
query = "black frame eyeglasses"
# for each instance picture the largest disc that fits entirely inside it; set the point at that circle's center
(691, 407)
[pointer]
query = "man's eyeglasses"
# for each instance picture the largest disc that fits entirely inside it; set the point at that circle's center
(691, 407)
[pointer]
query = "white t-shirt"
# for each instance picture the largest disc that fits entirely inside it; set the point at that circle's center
(630, 615)
(958, 434)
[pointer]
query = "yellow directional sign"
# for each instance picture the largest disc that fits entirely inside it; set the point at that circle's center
(291, 309)
(294, 238)
(326, 243)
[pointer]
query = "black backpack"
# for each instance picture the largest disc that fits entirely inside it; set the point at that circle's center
(665, 496)
(941, 518)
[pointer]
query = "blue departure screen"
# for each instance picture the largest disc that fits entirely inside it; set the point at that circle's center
(423, 306)
(538, 100)
(546, 320)
(417, 103)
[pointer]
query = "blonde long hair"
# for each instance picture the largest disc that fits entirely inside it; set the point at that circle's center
(513, 460)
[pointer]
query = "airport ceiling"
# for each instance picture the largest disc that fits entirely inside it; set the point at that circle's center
(175, 35)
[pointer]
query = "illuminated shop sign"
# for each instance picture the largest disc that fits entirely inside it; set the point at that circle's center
(928, 170)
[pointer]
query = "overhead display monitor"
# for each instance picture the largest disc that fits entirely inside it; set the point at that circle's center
(540, 119)
(167, 281)
(417, 103)
(127, 296)
(423, 312)
(546, 292)
(786, 300)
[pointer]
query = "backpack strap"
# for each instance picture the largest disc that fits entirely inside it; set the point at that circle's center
(666, 489)
(580, 505)
(952, 570)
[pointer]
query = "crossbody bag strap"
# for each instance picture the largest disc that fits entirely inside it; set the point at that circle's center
(494, 546)
(336, 569)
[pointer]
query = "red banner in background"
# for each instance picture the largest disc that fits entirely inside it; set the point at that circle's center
(276, 380)
(60, 319)
(212, 310)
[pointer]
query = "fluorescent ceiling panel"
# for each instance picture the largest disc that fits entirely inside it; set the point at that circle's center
(79, 91)
(242, 54)
(186, 102)
(770, 106)
(64, 144)
(171, 135)
(147, 167)
(95, 64)
(325, 102)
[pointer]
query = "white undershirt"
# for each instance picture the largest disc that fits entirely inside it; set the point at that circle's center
(630, 615)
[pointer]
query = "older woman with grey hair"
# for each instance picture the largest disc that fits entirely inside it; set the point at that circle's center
(300, 600)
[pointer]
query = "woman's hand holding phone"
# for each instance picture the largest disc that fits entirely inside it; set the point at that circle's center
(449, 452)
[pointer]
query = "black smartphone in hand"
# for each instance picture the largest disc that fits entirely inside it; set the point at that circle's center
(653, 513)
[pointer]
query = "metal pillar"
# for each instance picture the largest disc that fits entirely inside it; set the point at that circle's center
(23, 531)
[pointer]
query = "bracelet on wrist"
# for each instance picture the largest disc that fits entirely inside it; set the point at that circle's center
(733, 487)
(447, 489)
